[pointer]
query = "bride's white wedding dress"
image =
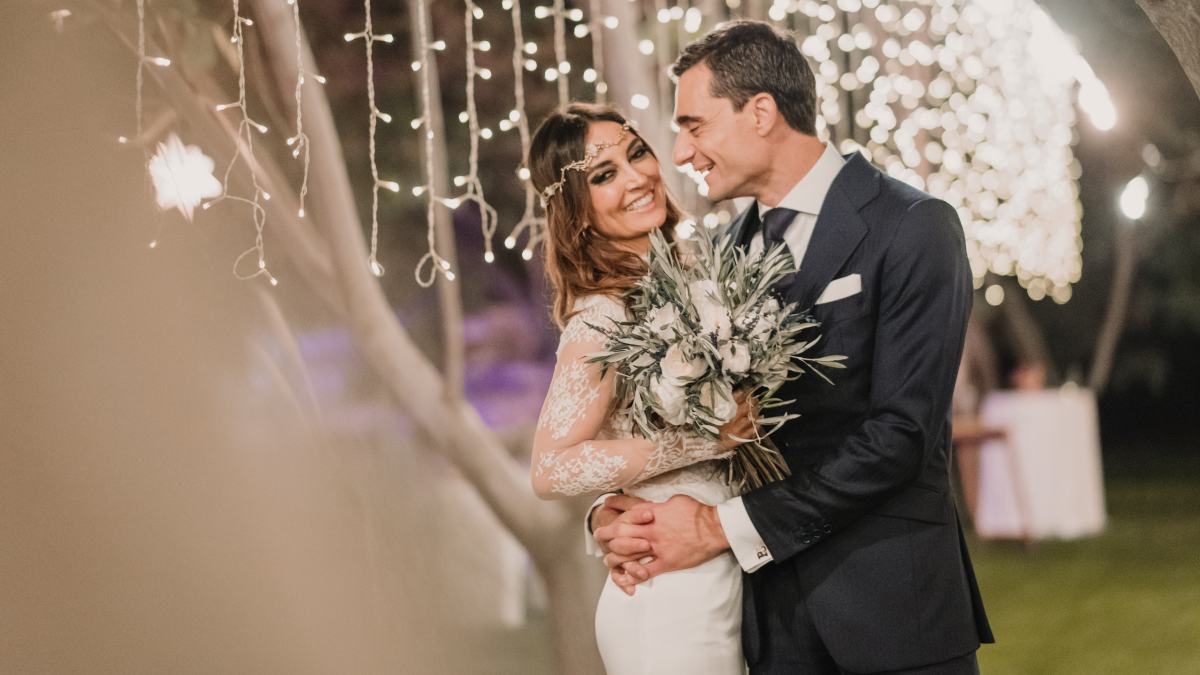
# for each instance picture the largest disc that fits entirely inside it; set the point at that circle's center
(680, 622)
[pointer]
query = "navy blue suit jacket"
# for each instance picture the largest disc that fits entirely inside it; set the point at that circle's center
(864, 533)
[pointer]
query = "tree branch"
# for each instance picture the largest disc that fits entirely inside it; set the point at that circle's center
(1178, 21)
(453, 425)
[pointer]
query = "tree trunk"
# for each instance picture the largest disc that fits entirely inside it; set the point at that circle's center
(1178, 21)
(548, 530)
(1115, 317)
(1026, 335)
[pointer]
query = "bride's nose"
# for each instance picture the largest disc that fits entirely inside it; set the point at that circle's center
(636, 179)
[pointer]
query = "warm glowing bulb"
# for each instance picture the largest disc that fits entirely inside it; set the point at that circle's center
(1133, 198)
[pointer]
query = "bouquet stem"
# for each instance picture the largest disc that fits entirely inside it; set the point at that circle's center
(755, 464)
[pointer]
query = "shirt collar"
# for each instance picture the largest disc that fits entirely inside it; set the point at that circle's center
(808, 194)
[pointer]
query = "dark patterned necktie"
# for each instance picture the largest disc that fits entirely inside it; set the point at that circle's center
(774, 224)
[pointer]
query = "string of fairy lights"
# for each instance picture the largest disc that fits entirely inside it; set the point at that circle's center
(299, 142)
(244, 152)
(369, 38)
(529, 218)
(973, 101)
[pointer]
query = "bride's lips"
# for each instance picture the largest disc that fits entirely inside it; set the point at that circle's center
(641, 203)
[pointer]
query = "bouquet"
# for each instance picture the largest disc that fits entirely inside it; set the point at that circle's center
(704, 326)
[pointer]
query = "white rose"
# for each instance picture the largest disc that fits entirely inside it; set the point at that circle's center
(736, 357)
(767, 318)
(671, 400)
(761, 327)
(714, 316)
(662, 320)
(677, 366)
(718, 397)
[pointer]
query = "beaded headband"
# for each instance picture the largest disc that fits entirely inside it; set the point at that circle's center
(590, 153)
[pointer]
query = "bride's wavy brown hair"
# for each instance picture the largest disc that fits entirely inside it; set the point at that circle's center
(579, 259)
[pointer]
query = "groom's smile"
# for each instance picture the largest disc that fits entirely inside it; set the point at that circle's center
(719, 141)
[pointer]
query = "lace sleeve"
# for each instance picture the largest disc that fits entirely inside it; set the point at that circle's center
(568, 457)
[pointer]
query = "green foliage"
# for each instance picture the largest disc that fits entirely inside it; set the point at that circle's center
(706, 324)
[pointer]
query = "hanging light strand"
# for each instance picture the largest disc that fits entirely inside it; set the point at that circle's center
(244, 150)
(432, 259)
(487, 214)
(662, 52)
(369, 38)
(529, 219)
(595, 30)
(299, 142)
(560, 52)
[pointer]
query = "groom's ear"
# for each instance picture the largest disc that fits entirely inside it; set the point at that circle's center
(765, 112)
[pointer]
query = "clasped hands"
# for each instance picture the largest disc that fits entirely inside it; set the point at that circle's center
(643, 539)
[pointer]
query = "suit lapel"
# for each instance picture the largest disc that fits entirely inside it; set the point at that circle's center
(743, 227)
(838, 231)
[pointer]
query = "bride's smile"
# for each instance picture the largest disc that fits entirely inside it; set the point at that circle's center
(625, 187)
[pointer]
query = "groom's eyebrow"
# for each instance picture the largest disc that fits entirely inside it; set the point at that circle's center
(684, 120)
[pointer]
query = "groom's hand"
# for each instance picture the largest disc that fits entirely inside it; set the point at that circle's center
(681, 532)
(621, 507)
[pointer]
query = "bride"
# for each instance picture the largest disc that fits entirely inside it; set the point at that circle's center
(604, 195)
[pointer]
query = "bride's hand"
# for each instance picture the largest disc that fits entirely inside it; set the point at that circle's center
(744, 423)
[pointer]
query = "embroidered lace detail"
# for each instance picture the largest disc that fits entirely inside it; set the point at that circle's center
(594, 310)
(570, 395)
(593, 470)
(674, 449)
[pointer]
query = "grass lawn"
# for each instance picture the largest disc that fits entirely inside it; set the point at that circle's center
(1127, 602)
(1124, 602)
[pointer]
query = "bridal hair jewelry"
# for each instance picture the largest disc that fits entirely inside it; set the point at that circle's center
(590, 153)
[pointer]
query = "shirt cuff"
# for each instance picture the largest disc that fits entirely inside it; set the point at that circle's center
(589, 542)
(747, 545)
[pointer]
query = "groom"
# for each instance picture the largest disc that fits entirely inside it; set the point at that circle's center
(856, 563)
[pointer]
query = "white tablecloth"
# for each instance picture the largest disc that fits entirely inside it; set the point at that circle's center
(1043, 481)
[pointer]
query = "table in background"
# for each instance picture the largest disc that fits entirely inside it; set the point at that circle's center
(1043, 479)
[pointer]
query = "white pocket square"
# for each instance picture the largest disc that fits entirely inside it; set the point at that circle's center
(839, 289)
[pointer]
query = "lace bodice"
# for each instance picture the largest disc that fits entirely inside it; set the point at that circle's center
(584, 445)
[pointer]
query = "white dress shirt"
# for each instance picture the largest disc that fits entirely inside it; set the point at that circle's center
(805, 198)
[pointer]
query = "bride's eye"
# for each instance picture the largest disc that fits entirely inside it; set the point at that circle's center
(602, 177)
(639, 152)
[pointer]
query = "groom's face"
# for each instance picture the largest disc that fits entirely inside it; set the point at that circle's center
(716, 139)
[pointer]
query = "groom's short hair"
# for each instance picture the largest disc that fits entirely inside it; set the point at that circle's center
(751, 57)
